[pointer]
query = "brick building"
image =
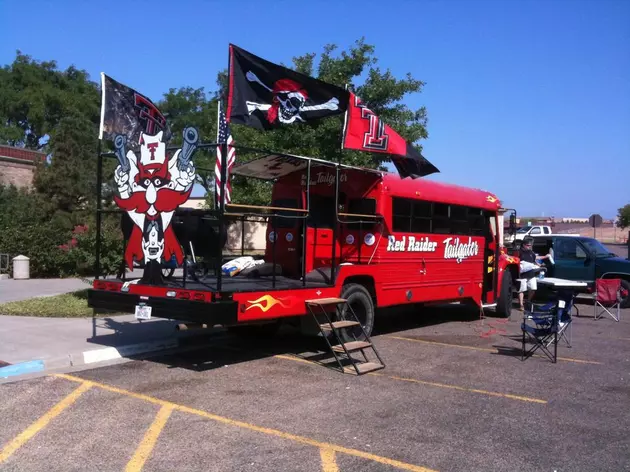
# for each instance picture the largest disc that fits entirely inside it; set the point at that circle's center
(17, 165)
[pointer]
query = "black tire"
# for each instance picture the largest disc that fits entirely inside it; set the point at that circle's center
(361, 303)
(504, 303)
(625, 301)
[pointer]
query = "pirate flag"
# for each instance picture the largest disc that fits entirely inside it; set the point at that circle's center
(265, 95)
(364, 131)
(128, 113)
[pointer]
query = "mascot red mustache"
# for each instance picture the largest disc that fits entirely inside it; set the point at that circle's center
(150, 189)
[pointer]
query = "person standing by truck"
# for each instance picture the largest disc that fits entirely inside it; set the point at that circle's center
(528, 277)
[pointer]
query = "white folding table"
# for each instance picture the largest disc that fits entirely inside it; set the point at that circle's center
(565, 285)
(555, 282)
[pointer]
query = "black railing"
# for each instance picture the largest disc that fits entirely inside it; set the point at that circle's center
(223, 214)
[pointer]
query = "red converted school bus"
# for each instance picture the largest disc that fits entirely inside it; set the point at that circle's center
(336, 231)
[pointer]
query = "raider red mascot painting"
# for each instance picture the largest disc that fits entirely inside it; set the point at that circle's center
(150, 183)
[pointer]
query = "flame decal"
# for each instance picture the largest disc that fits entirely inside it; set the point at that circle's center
(510, 259)
(266, 302)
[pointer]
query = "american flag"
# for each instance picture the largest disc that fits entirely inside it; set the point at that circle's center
(224, 136)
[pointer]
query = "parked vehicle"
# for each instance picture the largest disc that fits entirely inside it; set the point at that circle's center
(584, 259)
(524, 231)
(337, 231)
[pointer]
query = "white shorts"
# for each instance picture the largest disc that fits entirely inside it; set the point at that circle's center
(528, 284)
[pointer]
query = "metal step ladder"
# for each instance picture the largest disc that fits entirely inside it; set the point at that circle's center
(342, 351)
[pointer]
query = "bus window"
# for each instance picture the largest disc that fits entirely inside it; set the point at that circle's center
(478, 222)
(441, 223)
(281, 222)
(459, 220)
(361, 206)
(421, 225)
(459, 213)
(421, 217)
(422, 209)
(493, 225)
(401, 211)
(321, 212)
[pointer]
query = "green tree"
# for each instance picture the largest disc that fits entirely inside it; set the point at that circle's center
(623, 216)
(193, 107)
(68, 183)
(35, 96)
(56, 111)
(25, 229)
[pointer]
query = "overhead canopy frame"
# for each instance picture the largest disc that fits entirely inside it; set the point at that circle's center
(275, 165)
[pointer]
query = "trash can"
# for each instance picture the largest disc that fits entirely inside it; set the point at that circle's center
(21, 268)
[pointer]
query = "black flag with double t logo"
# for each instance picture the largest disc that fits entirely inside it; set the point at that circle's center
(127, 112)
(265, 95)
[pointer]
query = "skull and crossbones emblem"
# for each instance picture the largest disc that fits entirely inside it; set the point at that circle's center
(289, 101)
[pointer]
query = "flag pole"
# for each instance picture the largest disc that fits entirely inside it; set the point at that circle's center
(217, 188)
(99, 210)
(99, 183)
(345, 123)
(222, 227)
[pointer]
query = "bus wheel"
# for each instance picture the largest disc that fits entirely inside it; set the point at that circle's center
(504, 303)
(361, 303)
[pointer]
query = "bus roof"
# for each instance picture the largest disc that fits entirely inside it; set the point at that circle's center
(439, 192)
(275, 165)
(272, 166)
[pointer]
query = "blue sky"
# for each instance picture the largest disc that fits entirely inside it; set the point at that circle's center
(527, 99)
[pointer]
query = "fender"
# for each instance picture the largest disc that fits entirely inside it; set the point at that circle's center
(507, 262)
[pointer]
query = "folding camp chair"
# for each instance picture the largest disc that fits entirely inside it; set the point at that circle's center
(607, 298)
(564, 315)
(547, 324)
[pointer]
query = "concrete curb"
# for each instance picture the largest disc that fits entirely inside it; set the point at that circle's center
(93, 356)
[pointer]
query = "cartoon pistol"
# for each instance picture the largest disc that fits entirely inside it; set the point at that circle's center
(191, 137)
(119, 144)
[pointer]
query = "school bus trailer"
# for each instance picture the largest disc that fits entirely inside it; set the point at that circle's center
(334, 232)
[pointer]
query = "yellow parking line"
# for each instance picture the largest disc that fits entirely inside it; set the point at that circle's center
(435, 384)
(466, 389)
(42, 422)
(252, 427)
(484, 349)
(329, 464)
(150, 438)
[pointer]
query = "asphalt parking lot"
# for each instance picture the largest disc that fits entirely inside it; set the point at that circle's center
(455, 396)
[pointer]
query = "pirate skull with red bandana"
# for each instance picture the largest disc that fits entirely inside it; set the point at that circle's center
(288, 102)
(288, 99)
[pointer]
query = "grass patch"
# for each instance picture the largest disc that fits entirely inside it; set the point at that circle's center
(68, 305)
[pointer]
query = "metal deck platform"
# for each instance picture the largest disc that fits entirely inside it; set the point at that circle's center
(236, 284)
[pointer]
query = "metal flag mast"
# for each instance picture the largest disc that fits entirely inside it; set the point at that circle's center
(223, 172)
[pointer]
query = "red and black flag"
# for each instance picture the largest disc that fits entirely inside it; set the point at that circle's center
(364, 131)
(265, 95)
(127, 112)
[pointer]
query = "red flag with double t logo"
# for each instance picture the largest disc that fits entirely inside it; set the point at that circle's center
(364, 131)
